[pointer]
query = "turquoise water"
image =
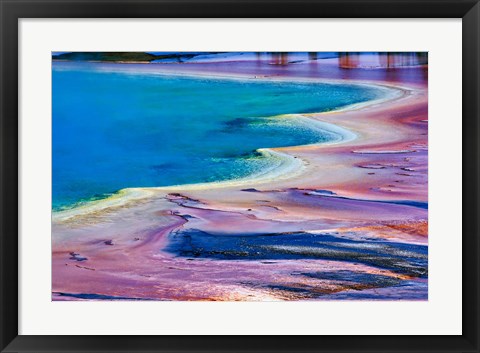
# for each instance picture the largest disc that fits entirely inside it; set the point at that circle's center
(113, 130)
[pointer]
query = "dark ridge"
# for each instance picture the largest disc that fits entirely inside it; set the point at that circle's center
(76, 257)
(120, 56)
(106, 56)
(324, 192)
(93, 296)
(349, 281)
(419, 204)
(405, 290)
(355, 277)
(401, 258)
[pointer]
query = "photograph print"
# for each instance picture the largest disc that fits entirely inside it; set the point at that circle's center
(239, 176)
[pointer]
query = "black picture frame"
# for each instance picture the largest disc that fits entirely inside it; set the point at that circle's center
(13, 10)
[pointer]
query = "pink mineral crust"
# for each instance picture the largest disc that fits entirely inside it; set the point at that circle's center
(361, 204)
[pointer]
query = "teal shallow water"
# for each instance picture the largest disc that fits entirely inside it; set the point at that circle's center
(113, 130)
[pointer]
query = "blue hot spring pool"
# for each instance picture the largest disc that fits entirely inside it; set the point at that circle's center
(114, 130)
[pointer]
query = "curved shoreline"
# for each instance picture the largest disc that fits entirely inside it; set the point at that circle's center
(290, 166)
